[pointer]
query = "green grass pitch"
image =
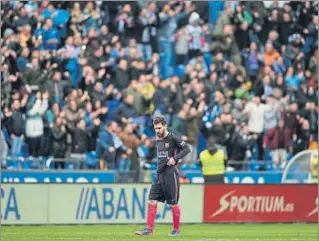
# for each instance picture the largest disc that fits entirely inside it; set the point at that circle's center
(195, 232)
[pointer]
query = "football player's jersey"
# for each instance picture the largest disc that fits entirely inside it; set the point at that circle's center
(170, 146)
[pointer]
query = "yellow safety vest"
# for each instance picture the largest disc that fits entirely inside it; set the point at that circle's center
(212, 164)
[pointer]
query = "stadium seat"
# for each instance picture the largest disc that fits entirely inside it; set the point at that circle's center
(12, 163)
(91, 160)
(26, 163)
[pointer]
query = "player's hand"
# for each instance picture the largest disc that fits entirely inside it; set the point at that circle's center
(171, 162)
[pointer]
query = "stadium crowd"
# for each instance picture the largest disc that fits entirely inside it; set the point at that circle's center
(87, 77)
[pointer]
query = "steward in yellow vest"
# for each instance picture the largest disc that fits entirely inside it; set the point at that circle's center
(212, 161)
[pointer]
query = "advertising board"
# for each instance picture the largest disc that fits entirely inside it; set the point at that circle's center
(8, 176)
(260, 203)
(91, 203)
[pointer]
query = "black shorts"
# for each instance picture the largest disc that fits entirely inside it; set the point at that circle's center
(166, 187)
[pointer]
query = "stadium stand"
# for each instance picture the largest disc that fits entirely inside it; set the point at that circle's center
(82, 80)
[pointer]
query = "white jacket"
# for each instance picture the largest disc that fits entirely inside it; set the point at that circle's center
(34, 122)
(255, 116)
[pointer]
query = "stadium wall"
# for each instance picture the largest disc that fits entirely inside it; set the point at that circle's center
(127, 203)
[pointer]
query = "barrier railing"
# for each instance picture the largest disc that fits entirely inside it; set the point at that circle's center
(86, 162)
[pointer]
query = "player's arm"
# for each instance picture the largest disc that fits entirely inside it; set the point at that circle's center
(182, 146)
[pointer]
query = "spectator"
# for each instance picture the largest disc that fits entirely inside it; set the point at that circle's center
(280, 142)
(143, 34)
(255, 111)
(301, 139)
(182, 39)
(178, 124)
(193, 119)
(34, 123)
(57, 87)
(59, 146)
(109, 145)
(270, 54)
(129, 159)
(310, 113)
(125, 113)
(196, 35)
(73, 114)
(14, 122)
(33, 77)
(242, 142)
(122, 80)
(80, 142)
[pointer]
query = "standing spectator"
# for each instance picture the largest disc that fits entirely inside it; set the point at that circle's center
(178, 124)
(242, 142)
(310, 113)
(34, 123)
(73, 114)
(125, 24)
(125, 112)
(196, 35)
(182, 39)
(291, 117)
(301, 139)
(34, 77)
(271, 115)
(14, 122)
(57, 87)
(122, 79)
(270, 54)
(193, 119)
(154, 20)
(80, 143)
(143, 34)
(252, 61)
(59, 147)
(129, 159)
(255, 111)
(280, 142)
(109, 145)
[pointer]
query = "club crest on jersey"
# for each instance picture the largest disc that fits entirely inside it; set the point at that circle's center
(167, 145)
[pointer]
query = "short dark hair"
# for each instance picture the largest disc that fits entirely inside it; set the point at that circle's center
(159, 120)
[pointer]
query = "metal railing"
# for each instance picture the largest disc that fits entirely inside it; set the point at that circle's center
(74, 163)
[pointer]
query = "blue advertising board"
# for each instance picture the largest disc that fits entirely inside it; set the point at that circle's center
(110, 177)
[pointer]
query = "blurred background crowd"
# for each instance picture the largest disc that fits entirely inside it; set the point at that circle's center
(83, 80)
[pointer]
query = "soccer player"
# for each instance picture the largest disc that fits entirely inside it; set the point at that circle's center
(170, 150)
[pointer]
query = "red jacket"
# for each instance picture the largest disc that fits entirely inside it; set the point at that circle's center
(271, 138)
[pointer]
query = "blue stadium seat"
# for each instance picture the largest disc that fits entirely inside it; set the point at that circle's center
(69, 165)
(12, 163)
(24, 150)
(26, 164)
(267, 154)
(92, 159)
